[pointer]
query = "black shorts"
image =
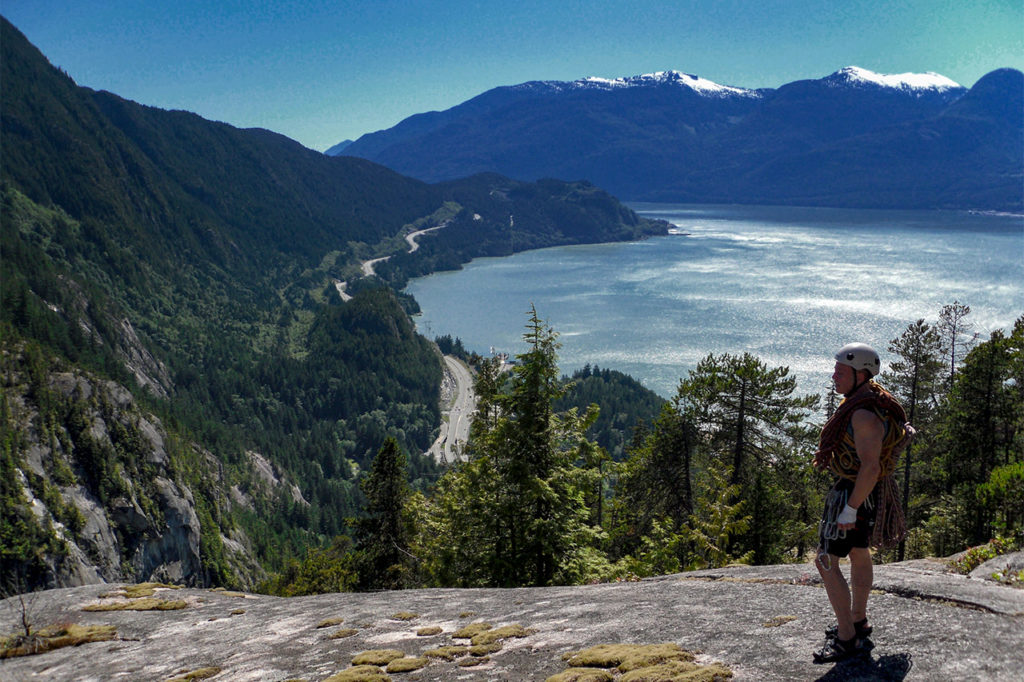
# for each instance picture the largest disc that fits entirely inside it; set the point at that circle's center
(837, 542)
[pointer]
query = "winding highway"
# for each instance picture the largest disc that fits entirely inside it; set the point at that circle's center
(450, 444)
(448, 448)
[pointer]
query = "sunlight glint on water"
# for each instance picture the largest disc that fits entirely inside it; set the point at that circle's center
(788, 285)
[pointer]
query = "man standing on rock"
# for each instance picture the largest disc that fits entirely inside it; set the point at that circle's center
(859, 444)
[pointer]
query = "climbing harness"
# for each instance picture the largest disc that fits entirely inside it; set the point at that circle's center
(837, 451)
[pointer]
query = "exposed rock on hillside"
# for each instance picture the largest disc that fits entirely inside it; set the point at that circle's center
(98, 489)
(760, 622)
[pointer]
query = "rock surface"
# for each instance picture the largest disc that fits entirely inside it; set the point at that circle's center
(93, 469)
(761, 621)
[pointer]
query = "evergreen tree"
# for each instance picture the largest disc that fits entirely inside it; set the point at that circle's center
(716, 521)
(519, 505)
(981, 429)
(915, 379)
(524, 452)
(750, 422)
(655, 481)
(383, 535)
(487, 387)
(957, 334)
(458, 528)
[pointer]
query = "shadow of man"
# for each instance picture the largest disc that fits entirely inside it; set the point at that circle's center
(891, 668)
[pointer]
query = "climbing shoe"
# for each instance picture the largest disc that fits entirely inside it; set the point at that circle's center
(863, 631)
(836, 650)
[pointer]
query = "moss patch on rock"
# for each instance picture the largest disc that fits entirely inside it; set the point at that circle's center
(447, 653)
(377, 657)
(627, 657)
(485, 649)
(679, 671)
(329, 622)
(429, 631)
(405, 615)
(405, 665)
(498, 634)
(343, 633)
(471, 630)
(360, 673)
(54, 637)
(582, 675)
(144, 589)
(639, 663)
(144, 604)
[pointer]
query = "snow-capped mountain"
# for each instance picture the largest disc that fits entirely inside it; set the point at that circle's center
(852, 138)
(911, 82)
(695, 83)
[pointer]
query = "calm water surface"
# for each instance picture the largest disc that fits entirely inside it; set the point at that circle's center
(786, 284)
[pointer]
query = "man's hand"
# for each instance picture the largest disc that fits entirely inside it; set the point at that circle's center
(847, 518)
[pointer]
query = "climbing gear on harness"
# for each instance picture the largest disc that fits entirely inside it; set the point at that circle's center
(837, 451)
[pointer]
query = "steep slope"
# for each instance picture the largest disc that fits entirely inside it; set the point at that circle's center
(190, 267)
(194, 189)
(674, 137)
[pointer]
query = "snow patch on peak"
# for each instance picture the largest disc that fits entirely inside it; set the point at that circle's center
(900, 81)
(695, 83)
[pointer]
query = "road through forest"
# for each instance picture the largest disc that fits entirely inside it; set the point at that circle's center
(455, 429)
(448, 447)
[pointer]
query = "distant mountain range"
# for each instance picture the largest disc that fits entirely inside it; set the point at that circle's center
(854, 138)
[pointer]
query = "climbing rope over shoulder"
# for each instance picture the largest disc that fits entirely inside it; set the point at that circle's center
(890, 525)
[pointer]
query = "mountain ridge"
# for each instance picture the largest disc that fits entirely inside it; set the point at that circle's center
(670, 136)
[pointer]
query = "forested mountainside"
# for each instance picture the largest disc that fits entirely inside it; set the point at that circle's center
(851, 139)
(169, 286)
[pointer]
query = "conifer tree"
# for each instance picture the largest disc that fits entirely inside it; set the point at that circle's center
(750, 422)
(655, 481)
(523, 446)
(957, 334)
(981, 430)
(519, 504)
(383, 535)
(914, 378)
(743, 407)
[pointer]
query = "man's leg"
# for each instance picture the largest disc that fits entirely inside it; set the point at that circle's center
(838, 592)
(861, 580)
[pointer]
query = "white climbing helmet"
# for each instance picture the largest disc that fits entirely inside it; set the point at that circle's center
(860, 356)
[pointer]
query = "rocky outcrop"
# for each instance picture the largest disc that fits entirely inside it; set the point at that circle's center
(151, 373)
(761, 622)
(107, 501)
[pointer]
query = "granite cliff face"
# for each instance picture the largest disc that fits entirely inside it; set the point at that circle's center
(98, 487)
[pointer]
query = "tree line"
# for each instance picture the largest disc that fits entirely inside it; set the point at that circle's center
(722, 474)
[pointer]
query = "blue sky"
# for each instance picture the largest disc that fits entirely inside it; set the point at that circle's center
(321, 71)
